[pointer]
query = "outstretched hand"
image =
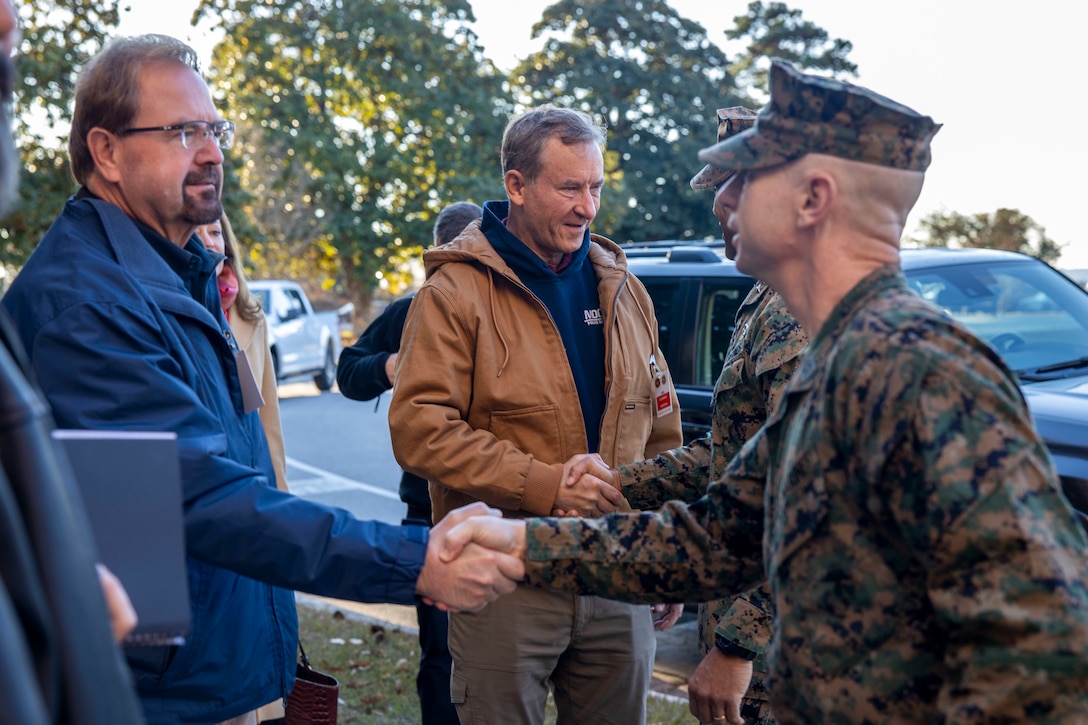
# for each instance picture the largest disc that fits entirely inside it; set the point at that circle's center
(498, 534)
(467, 574)
(588, 463)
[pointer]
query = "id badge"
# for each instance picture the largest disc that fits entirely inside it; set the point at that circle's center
(251, 393)
(662, 390)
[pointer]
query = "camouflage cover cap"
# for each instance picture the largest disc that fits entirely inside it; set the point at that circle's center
(730, 121)
(810, 114)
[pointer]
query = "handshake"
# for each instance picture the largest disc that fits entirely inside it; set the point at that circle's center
(474, 555)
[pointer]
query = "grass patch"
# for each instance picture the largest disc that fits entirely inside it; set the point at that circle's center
(376, 667)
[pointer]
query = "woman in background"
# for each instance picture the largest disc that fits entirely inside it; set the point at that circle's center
(247, 322)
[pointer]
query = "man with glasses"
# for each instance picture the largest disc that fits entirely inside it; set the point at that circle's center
(119, 310)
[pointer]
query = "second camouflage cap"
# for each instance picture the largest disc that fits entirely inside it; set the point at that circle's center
(812, 114)
(731, 121)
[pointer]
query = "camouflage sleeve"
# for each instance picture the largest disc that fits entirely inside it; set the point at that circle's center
(747, 619)
(680, 474)
(708, 550)
(776, 348)
(1003, 554)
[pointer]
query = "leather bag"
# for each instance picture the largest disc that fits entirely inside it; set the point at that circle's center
(313, 699)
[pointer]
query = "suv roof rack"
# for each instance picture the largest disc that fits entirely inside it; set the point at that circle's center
(695, 250)
(692, 254)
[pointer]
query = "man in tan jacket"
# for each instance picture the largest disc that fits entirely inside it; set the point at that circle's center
(530, 343)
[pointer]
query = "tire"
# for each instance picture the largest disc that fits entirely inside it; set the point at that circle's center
(276, 364)
(325, 378)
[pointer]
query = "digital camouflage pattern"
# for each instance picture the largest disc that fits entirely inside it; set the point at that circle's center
(924, 564)
(731, 121)
(763, 353)
(811, 114)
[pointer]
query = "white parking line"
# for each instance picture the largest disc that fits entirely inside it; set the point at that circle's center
(327, 482)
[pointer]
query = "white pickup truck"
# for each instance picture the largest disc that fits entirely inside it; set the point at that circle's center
(303, 341)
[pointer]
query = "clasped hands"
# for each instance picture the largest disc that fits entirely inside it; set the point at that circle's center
(474, 555)
(588, 488)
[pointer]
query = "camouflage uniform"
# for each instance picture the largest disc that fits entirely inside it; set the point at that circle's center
(925, 566)
(762, 355)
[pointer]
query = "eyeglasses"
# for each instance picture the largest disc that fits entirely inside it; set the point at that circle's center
(194, 134)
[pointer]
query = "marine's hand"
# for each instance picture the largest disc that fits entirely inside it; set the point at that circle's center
(587, 463)
(665, 615)
(587, 488)
(589, 497)
(122, 615)
(505, 535)
(475, 573)
(717, 686)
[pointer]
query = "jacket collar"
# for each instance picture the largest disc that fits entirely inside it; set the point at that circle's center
(155, 266)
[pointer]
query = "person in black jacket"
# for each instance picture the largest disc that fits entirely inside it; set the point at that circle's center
(365, 371)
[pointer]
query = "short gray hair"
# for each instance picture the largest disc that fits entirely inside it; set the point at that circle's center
(525, 136)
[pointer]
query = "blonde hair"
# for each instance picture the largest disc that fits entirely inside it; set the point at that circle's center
(245, 304)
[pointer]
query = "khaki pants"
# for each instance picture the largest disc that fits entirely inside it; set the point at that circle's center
(270, 711)
(250, 718)
(596, 653)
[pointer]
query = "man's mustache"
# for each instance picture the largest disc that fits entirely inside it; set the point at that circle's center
(209, 177)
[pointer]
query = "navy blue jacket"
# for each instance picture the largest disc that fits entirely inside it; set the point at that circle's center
(117, 341)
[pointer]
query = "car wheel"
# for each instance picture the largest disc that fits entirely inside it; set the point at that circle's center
(327, 376)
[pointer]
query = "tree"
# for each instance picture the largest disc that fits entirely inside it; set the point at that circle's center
(655, 79)
(58, 36)
(1006, 229)
(358, 122)
(776, 31)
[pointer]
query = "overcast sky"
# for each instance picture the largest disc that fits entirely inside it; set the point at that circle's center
(999, 76)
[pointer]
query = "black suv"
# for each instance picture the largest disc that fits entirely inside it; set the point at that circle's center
(1032, 314)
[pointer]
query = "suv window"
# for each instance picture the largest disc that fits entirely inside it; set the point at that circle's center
(718, 307)
(665, 293)
(1017, 308)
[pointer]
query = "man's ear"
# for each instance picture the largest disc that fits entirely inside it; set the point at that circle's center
(515, 184)
(104, 150)
(818, 194)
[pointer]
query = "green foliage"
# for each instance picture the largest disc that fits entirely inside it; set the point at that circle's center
(655, 80)
(776, 31)
(358, 122)
(58, 36)
(1007, 229)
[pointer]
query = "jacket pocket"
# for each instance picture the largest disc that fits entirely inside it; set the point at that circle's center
(633, 430)
(731, 376)
(536, 431)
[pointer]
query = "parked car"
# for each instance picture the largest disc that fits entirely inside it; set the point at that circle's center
(303, 340)
(1034, 316)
